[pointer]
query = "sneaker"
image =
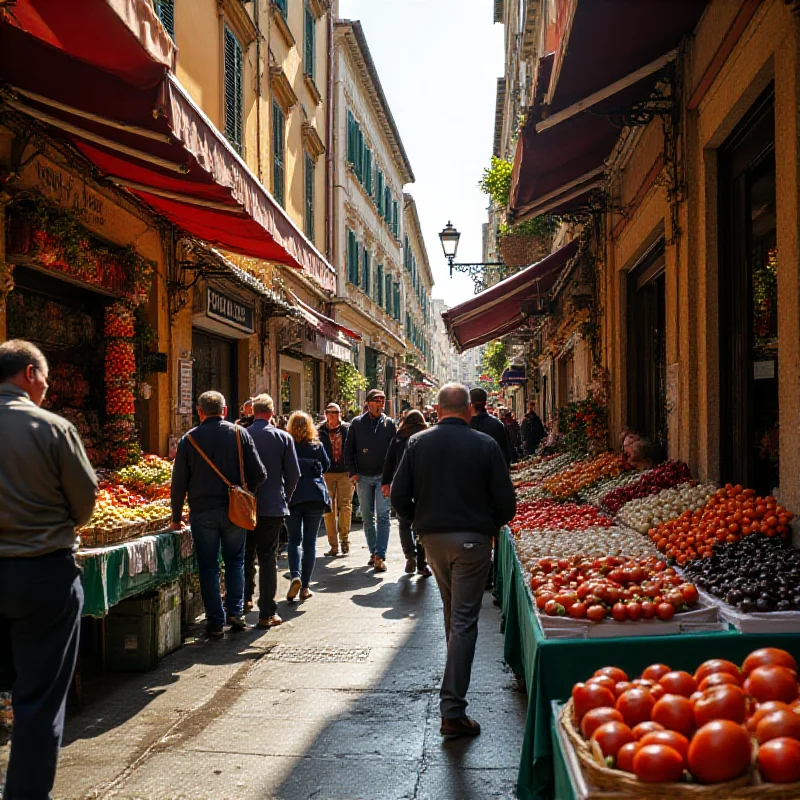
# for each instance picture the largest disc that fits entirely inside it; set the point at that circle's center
(371, 562)
(379, 565)
(305, 593)
(237, 623)
(424, 572)
(331, 553)
(459, 726)
(215, 633)
(294, 589)
(345, 548)
(411, 565)
(270, 622)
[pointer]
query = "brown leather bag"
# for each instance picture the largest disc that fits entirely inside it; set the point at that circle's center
(241, 503)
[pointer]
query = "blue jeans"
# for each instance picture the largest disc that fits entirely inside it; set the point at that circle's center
(209, 530)
(41, 599)
(372, 502)
(303, 529)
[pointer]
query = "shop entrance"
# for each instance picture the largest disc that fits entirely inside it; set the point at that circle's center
(748, 297)
(214, 368)
(647, 347)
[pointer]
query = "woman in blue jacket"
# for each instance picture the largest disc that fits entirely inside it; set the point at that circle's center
(309, 502)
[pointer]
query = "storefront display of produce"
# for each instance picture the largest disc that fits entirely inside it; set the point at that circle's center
(648, 512)
(663, 476)
(698, 735)
(585, 473)
(593, 541)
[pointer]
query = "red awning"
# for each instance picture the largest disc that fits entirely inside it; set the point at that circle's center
(155, 142)
(326, 326)
(498, 311)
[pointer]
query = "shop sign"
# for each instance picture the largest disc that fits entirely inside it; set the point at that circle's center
(338, 350)
(184, 385)
(69, 192)
(513, 377)
(226, 309)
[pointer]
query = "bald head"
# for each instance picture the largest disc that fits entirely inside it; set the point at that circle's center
(453, 401)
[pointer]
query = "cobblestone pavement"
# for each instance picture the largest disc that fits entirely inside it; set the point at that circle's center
(339, 702)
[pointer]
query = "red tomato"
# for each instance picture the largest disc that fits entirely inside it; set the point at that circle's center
(724, 702)
(771, 683)
(603, 680)
(715, 666)
(611, 736)
(665, 611)
(769, 656)
(619, 612)
(658, 691)
(636, 705)
(778, 725)
(646, 727)
(586, 696)
(779, 761)
(720, 751)
(596, 613)
(577, 610)
(677, 741)
(679, 682)
(675, 713)
(690, 593)
(593, 719)
(657, 763)
(621, 687)
(625, 756)
(648, 609)
(634, 611)
(763, 710)
(613, 672)
(718, 679)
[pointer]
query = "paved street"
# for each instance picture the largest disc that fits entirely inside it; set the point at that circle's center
(339, 702)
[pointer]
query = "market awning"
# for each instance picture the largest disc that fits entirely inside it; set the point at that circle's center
(613, 54)
(514, 376)
(324, 325)
(147, 137)
(498, 310)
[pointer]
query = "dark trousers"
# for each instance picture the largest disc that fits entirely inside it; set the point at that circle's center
(412, 546)
(263, 542)
(303, 529)
(41, 600)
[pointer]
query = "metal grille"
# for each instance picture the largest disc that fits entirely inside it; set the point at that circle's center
(320, 655)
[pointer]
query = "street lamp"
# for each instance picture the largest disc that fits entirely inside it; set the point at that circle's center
(449, 238)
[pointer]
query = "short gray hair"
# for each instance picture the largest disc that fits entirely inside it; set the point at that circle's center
(16, 355)
(212, 403)
(453, 398)
(263, 404)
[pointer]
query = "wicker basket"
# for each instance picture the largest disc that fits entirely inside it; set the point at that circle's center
(623, 783)
(520, 250)
(102, 537)
(772, 791)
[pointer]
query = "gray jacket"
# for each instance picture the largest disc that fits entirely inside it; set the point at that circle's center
(48, 484)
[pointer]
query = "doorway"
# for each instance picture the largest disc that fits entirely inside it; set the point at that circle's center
(214, 368)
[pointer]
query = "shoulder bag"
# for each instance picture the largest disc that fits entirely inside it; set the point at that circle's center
(241, 503)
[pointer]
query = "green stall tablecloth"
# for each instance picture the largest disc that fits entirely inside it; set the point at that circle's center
(107, 571)
(551, 667)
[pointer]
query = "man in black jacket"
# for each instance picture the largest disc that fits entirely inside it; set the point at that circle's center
(333, 435)
(485, 423)
(208, 506)
(453, 485)
(365, 453)
(532, 429)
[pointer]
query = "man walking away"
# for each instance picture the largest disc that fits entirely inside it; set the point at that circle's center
(208, 506)
(276, 450)
(453, 486)
(333, 435)
(49, 488)
(365, 453)
(483, 422)
(532, 430)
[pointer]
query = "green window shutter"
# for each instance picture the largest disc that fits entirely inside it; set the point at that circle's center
(351, 240)
(397, 301)
(165, 11)
(278, 165)
(368, 171)
(350, 137)
(387, 294)
(233, 90)
(282, 6)
(310, 43)
(379, 286)
(365, 270)
(379, 192)
(395, 219)
(309, 176)
(387, 205)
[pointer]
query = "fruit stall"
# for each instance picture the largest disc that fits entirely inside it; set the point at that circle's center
(604, 565)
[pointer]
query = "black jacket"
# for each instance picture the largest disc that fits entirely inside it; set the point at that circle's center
(311, 487)
(367, 443)
(325, 438)
(532, 432)
(453, 479)
(396, 450)
(191, 475)
(486, 423)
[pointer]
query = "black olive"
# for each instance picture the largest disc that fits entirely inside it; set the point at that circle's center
(764, 604)
(784, 605)
(747, 605)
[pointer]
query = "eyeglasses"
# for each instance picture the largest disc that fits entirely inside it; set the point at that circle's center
(332, 411)
(377, 400)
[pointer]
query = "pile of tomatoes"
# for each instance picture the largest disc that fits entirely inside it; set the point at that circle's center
(664, 476)
(619, 588)
(669, 722)
(585, 473)
(733, 512)
(536, 515)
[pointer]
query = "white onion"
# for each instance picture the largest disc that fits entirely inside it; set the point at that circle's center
(645, 513)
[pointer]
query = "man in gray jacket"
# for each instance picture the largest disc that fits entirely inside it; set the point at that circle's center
(49, 488)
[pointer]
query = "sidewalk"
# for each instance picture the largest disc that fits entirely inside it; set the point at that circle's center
(339, 702)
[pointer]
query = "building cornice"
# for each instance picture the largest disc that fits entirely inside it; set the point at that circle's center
(411, 205)
(312, 143)
(282, 88)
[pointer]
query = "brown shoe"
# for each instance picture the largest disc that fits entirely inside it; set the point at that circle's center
(305, 593)
(270, 622)
(459, 726)
(345, 548)
(331, 553)
(379, 565)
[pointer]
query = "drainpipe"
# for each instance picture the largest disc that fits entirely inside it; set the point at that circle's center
(256, 17)
(333, 15)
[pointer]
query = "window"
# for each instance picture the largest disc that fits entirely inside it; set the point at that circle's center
(395, 225)
(282, 6)
(379, 286)
(387, 205)
(278, 167)
(310, 44)
(165, 11)
(233, 90)
(352, 258)
(351, 138)
(396, 301)
(365, 271)
(368, 171)
(379, 187)
(387, 294)
(309, 176)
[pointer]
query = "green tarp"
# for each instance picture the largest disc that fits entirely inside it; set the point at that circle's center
(552, 667)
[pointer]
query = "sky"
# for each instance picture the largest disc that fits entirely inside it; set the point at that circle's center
(438, 62)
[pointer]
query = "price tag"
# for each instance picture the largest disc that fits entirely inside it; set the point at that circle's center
(763, 370)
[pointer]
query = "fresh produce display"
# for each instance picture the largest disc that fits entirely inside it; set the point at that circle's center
(585, 473)
(547, 514)
(120, 373)
(645, 513)
(532, 545)
(732, 513)
(756, 573)
(119, 322)
(151, 477)
(537, 469)
(119, 401)
(619, 588)
(665, 728)
(120, 360)
(664, 476)
(593, 494)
